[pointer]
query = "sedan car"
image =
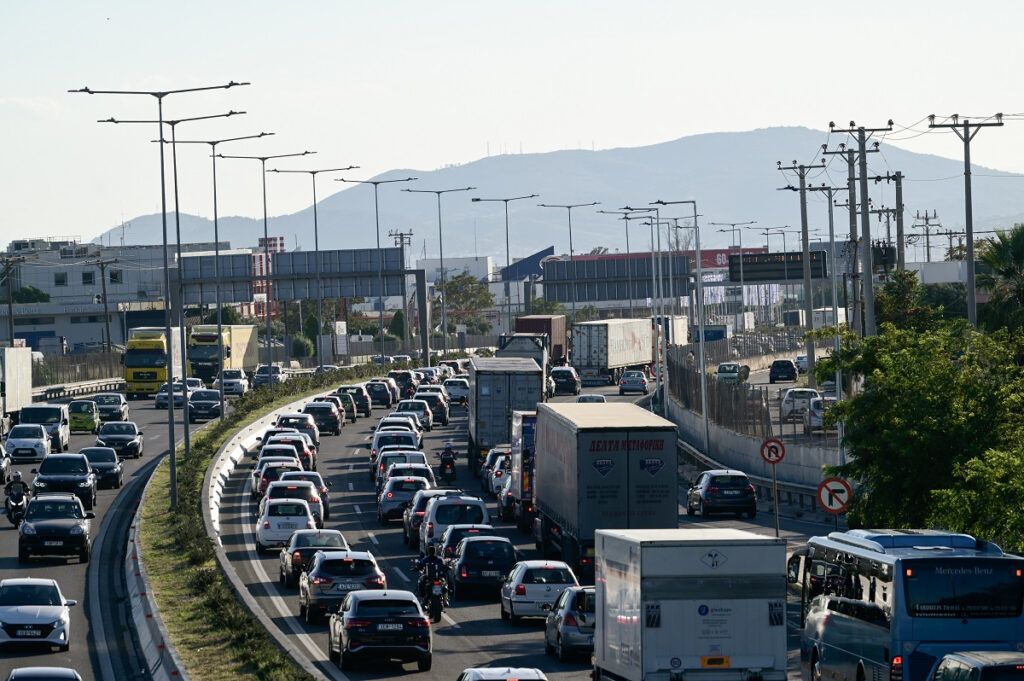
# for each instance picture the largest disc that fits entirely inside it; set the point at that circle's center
(533, 584)
(722, 491)
(55, 525)
(160, 402)
(27, 442)
(633, 382)
(279, 519)
(569, 627)
(106, 465)
(396, 495)
(112, 406)
(331, 575)
(203, 404)
(481, 563)
(34, 611)
(379, 625)
(300, 549)
(124, 437)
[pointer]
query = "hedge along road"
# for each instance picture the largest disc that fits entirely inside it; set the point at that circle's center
(470, 634)
(100, 636)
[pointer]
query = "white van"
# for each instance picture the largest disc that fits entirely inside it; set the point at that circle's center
(54, 419)
(450, 510)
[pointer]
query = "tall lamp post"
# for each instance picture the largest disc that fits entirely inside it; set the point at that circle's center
(159, 95)
(627, 215)
(216, 250)
(734, 228)
(380, 254)
(568, 207)
(508, 253)
(440, 239)
(316, 248)
(266, 248)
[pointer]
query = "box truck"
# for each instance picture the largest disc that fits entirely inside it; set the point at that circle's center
(610, 465)
(145, 359)
(15, 385)
(497, 387)
(524, 432)
(602, 350)
(554, 326)
(240, 350)
(824, 316)
(697, 604)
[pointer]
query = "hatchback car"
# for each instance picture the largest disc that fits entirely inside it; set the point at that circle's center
(380, 393)
(396, 393)
(782, 370)
(112, 406)
(502, 674)
(388, 625)
(443, 511)
(480, 563)
(326, 416)
(34, 611)
(331, 575)
(55, 525)
(407, 470)
(731, 372)
(300, 549)
(281, 517)
(569, 627)
(814, 417)
(980, 665)
(801, 363)
(499, 473)
(295, 489)
(106, 465)
(457, 388)
(488, 463)
(413, 514)
(722, 491)
(203, 404)
(531, 585)
(84, 415)
(303, 423)
(421, 409)
(396, 494)
(405, 438)
(391, 456)
(566, 380)
(361, 397)
(271, 471)
(66, 473)
(300, 445)
(124, 437)
(160, 401)
(43, 674)
(795, 402)
(27, 442)
(453, 534)
(438, 405)
(322, 486)
(348, 403)
(633, 382)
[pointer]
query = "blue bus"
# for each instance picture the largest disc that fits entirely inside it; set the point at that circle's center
(886, 605)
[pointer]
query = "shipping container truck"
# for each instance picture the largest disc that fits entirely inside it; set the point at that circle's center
(796, 318)
(524, 432)
(145, 359)
(824, 316)
(497, 387)
(15, 385)
(240, 350)
(608, 466)
(695, 604)
(554, 326)
(530, 345)
(675, 329)
(602, 350)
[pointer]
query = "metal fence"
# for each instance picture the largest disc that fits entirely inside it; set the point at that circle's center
(59, 369)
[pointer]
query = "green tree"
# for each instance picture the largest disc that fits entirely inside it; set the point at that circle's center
(397, 326)
(583, 314)
(948, 299)
(276, 327)
(467, 298)
(228, 315)
(311, 327)
(541, 306)
(901, 302)
(302, 347)
(1003, 277)
(30, 294)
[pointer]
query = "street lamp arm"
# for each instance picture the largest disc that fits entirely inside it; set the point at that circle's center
(312, 172)
(227, 139)
(156, 93)
(375, 182)
(514, 198)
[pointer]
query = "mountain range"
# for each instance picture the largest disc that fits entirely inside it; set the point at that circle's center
(732, 175)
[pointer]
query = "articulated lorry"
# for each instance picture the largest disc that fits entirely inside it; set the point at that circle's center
(497, 387)
(15, 385)
(553, 325)
(240, 350)
(145, 359)
(524, 436)
(609, 466)
(697, 604)
(602, 350)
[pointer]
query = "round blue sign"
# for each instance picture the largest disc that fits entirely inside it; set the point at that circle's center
(702, 610)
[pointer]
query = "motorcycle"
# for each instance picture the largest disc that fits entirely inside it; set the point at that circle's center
(433, 593)
(16, 505)
(447, 468)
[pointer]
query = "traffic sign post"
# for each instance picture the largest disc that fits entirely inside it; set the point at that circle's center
(834, 496)
(773, 451)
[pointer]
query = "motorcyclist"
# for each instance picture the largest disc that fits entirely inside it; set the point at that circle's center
(448, 455)
(17, 485)
(429, 567)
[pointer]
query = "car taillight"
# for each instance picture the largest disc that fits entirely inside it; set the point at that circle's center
(420, 512)
(310, 525)
(498, 474)
(314, 500)
(376, 580)
(750, 488)
(430, 529)
(896, 669)
(357, 624)
(464, 572)
(266, 524)
(297, 558)
(714, 489)
(323, 580)
(419, 623)
(586, 561)
(390, 495)
(569, 620)
(520, 590)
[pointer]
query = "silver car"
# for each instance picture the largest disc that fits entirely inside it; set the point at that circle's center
(633, 382)
(569, 628)
(396, 495)
(34, 611)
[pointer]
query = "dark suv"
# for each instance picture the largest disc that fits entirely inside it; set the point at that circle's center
(361, 397)
(380, 393)
(55, 525)
(722, 491)
(438, 406)
(566, 380)
(66, 473)
(782, 370)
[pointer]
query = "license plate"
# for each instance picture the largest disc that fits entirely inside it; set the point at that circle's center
(436, 590)
(344, 587)
(389, 627)
(731, 492)
(286, 526)
(491, 573)
(56, 542)
(28, 632)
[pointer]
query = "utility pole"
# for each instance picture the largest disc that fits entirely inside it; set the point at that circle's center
(966, 131)
(8, 265)
(865, 220)
(927, 230)
(102, 264)
(806, 238)
(402, 239)
(896, 177)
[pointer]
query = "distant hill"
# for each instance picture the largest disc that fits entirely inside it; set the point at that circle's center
(732, 175)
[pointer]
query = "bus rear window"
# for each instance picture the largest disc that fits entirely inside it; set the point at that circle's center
(963, 588)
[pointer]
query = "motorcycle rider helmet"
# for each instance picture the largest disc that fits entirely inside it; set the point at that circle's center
(431, 551)
(16, 477)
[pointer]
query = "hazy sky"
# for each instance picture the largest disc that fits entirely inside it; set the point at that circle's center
(421, 85)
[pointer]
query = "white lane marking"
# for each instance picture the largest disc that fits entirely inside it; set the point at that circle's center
(372, 537)
(367, 437)
(351, 487)
(449, 620)
(356, 506)
(401, 574)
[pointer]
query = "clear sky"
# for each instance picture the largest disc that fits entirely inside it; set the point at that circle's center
(420, 85)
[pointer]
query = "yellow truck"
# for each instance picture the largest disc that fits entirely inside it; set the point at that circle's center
(240, 350)
(145, 359)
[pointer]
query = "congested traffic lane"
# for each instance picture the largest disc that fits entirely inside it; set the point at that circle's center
(97, 640)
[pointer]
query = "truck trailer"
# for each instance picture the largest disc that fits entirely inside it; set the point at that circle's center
(602, 350)
(240, 350)
(15, 385)
(145, 359)
(554, 326)
(696, 604)
(497, 387)
(530, 345)
(609, 466)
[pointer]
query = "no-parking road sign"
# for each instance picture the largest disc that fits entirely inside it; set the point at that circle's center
(773, 451)
(834, 495)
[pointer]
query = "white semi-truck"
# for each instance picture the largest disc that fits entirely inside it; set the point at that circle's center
(15, 385)
(696, 604)
(602, 350)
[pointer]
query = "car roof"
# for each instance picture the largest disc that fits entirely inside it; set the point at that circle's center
(69, 455)
(542, 563)
(385, 594)
(54, 496)
(486, 537)
(502, 674)
(469, 526)
(347, 553)
(43, 673)
(724, 471)
(406, 478)
(28, 581)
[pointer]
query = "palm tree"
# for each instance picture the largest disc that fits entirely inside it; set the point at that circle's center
(1003, 278)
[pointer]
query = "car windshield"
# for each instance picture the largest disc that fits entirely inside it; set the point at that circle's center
(348, 567)
(318, 409)
(144, 358)
(396, 438)
(561, 373)
(297, 491)
(118, 429)
(457, 514)
(178, 388)
(490, 550)
(293, 422)
(633, 374)
(232, 374)
(391, 607)
(287, 510)
(205, 396)
(264, 370)
(591, 398)
(548, 575)
(44, 509)
(26, 432)
(325, 539)
(53, 465)
(107, 400)
(29, 594)
(100, 455)
(728, 368)
(314, 478)
(40, 414)
(82, 407)
(730, 481)
(408, 485)
(782, 364)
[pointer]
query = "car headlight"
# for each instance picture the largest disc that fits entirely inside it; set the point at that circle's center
(86, 483)
(38, 483)
(77, 529)
(26, 528)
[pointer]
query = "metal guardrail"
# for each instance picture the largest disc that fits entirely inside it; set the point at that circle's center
(47, 393)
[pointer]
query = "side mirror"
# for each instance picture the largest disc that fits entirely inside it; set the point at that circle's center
(329, 483)
(69, 603)
(34, 470)
(90, 515)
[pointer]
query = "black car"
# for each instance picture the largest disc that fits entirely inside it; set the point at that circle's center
(301, 547)
(112, 406)
(325, 416)
(106, 465)
(782, 370)
(566, 380)
(55, 525)
(359, 394)
(125, 438)
(722, 491)
(380, 393)
(203, 404)
(480, 563)
(438, 406)
(66, 473)
(381, 625)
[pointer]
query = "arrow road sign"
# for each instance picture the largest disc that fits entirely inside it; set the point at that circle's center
(773, 451)
(834, 495)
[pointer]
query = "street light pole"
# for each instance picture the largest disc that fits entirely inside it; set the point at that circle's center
(508, 253)
(316, 248)
(380, 255)
(266, 250)
(159, 95)
(440, 240)
(734, 228)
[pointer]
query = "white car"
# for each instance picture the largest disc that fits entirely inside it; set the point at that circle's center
(295, 489)
(801, 363)
(531, 585)
(281, 517)
(450, 509)
(814, 417)
(234, 380)
(499, 473)
(34, 611)
(795, 402)
(502, 674)
(457, 388)
(27, 442)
